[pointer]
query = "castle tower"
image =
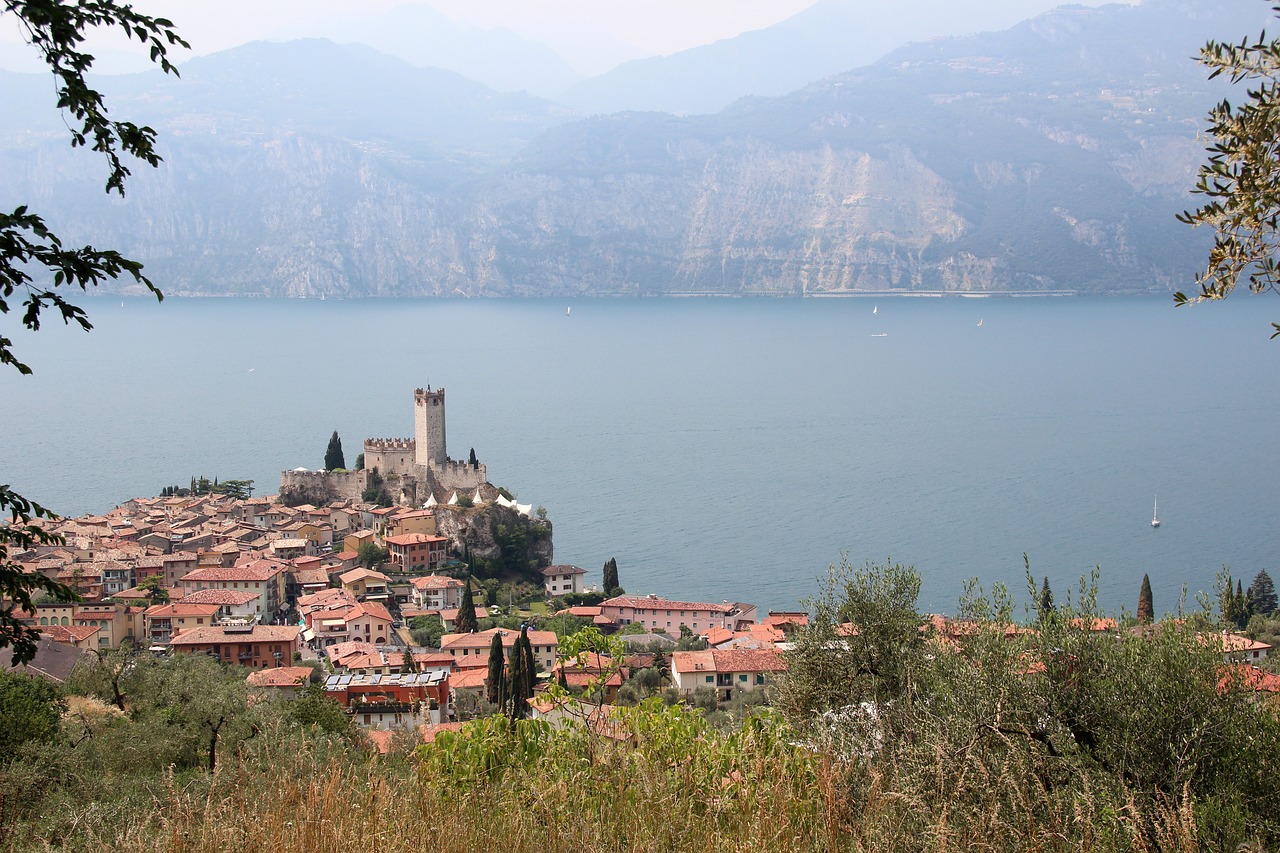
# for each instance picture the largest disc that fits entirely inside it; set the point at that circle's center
(428, 427)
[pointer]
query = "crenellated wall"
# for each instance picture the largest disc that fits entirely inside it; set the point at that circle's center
(390, 455)
(460, 475)
(320, 487)
(411, 467)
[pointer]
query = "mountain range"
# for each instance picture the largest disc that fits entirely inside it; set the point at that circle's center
(1049, 156)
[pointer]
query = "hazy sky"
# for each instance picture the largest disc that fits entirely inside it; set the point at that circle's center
(591, 35)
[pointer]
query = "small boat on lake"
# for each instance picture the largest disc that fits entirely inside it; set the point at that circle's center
(1155, 513)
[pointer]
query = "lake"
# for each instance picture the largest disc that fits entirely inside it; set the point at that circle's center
(718, 448)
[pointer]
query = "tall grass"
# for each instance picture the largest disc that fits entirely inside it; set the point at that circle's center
(670, 783)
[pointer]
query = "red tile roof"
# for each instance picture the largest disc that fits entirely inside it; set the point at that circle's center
(647, 603)
(280, 676)
(232, 597)
(219, 634)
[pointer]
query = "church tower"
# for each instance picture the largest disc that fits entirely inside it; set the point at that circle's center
(428, 427)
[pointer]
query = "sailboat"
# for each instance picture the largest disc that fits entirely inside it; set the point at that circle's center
(1155, 513)
(979, 321)
(568, 312)
(875, 308)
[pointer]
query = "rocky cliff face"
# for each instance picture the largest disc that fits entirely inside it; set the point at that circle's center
(496, 539)
(1053, 156)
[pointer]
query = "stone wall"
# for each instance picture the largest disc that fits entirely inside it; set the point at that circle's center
(429, 426)
(320, 487)
(461, 476)
(390, 455)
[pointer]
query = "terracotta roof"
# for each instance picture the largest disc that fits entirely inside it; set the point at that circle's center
(428, 731)
(362, 574)
(219, 634)
(307, 577)
(326, 598)
(68, 633)
(782, 619)
(259, 570)
(232, 597)
(647, 603)
(484, 639)
(369, 608)
(469, 679)
(413, 539)
(340, 651)
(1255, 679)
(436, 582)
(716, 636)
(1240, 643)
(280, 676)
(729, 660)
(582, 611)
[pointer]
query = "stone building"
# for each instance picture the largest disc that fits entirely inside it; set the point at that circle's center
(411, 469)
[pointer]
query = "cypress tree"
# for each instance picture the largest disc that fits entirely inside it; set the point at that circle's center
(410, 664)
(496, 682)
(530, 662)
(1044, 604)
(1242, 607)
(610, 576)
(1146, 608)
(1262, 594)
(519, 682)
(465, 623)
(333, 454)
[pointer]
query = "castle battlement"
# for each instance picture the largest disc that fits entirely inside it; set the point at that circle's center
(436, 396)
(381, 445)
(411, 467)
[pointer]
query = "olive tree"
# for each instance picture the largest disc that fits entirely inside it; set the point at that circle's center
(1241, 178)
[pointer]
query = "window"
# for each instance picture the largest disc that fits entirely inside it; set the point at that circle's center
(760, 678)
(742, 677)
(710, 678)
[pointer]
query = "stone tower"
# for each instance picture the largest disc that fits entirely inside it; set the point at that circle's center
(428, 427)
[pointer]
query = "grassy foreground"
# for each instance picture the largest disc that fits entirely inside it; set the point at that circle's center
(675, 784)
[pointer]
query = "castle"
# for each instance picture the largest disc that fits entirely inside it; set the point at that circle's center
(411, 469)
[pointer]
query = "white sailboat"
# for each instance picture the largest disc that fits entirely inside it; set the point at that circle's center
(979, 321)
(875, 308)
(568, 312)
(1155, 513)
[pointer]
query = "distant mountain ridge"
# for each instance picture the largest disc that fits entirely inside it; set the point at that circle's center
(1051, 156)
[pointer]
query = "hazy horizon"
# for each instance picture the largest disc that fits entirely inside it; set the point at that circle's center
(591, 38)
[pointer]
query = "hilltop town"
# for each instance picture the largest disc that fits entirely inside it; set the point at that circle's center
(334, 594)
(269, 587)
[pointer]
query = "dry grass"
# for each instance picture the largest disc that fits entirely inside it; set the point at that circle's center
(676, 785)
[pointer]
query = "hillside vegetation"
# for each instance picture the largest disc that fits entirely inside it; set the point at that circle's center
(1044, 737)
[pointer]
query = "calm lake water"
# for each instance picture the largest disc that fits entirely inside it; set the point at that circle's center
(717, 448)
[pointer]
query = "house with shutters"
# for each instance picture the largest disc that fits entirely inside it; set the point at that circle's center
(726, 670)
(252, 646)
(559, 580)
